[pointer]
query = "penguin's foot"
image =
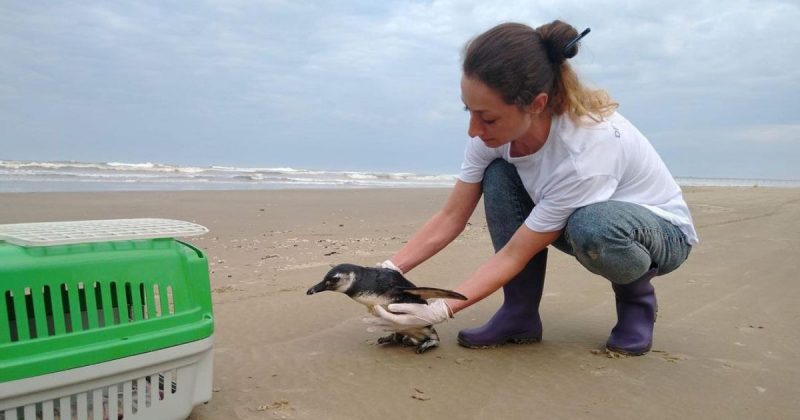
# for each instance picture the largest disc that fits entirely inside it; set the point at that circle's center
(409, 341)
(423, 342)
(400, 338)
(393, 338)
(427, 344)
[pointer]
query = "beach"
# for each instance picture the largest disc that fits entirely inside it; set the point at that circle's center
(726, 341)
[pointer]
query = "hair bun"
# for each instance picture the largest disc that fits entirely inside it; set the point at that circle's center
(560, 40)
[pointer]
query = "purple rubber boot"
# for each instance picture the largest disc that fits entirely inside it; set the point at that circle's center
(517, 321)
(636, 315)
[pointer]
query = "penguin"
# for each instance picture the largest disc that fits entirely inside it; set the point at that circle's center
(382, 286)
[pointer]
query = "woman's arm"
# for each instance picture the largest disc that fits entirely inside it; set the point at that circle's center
(440, 229)
(492, 274)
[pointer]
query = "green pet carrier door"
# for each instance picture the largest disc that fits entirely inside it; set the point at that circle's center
(103, 319)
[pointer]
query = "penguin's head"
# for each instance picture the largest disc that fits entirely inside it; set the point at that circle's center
(339, 279)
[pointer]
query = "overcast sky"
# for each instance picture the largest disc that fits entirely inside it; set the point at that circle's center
(374, 85)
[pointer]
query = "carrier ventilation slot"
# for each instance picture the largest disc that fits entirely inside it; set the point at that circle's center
(32, 313)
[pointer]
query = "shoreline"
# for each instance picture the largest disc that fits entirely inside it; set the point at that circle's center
(684, 188)
(726, 322)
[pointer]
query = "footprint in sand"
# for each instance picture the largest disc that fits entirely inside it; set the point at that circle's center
(672, 358)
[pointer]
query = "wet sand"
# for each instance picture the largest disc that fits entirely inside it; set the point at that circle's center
(726, 341)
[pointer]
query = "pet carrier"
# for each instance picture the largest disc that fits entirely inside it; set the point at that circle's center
(105, 319)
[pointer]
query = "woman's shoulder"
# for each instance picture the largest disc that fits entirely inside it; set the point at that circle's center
(589, 146)
(581, 133)
(571, 126)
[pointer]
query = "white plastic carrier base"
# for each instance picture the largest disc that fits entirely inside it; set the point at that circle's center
(163, 384)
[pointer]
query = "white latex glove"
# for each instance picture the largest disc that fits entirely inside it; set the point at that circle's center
(402, 316)
(390, 265)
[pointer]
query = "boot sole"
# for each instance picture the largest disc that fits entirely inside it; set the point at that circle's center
(493, 345)
(628, 352)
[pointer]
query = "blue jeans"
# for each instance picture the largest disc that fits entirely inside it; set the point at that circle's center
(617, 240)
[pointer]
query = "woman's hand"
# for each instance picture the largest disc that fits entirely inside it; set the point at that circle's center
(403, 316)
(390, 265)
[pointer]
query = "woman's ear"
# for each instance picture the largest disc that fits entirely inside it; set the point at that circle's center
(539, 103)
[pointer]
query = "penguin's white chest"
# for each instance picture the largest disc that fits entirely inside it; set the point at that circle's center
(370, 300)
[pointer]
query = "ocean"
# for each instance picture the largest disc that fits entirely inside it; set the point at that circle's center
(70, 176)
(26, 176)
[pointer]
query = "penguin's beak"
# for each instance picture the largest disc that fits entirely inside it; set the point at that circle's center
(319, 287)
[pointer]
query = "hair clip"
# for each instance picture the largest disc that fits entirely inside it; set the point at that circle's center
(577, 38)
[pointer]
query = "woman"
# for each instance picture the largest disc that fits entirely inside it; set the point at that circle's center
(556, 165)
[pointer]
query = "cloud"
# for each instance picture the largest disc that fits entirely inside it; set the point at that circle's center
(770, 134)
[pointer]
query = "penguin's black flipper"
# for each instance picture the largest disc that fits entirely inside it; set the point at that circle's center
(432, 292)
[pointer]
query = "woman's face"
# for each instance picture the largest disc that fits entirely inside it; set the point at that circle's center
(490, 118)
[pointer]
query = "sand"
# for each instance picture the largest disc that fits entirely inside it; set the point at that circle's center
(726, 341)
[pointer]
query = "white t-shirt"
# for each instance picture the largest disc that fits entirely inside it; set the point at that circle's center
(585, 164)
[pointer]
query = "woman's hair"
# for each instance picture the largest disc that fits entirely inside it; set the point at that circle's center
(520, 62)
